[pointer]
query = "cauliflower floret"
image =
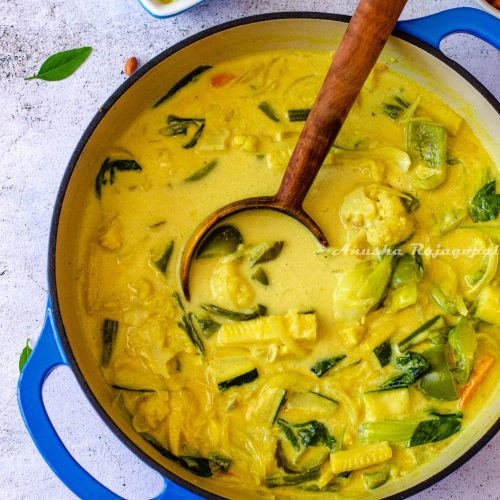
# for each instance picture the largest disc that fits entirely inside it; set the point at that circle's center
(376, 214)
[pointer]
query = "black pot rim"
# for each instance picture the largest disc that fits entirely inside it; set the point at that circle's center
(72, 165)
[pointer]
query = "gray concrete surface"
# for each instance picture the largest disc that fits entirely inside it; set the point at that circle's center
(40, 124)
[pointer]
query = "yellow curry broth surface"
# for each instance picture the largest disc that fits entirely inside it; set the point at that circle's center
(170, 388)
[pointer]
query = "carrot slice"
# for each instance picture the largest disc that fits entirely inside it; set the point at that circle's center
(477, 376)
(221, 79)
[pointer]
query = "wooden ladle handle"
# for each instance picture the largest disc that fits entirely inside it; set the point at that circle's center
(358, 52)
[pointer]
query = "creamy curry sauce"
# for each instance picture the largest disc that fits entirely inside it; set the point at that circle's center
(352, 365)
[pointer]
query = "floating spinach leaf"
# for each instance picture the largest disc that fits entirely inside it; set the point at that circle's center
(298, 115)
(25, 354)
(109, 332)
(383, 353)
(258, 311)
(62, 64)
(202, 172)
(189, 78)
(431, 431)
(223, 240)
(485, 205)
(162, 263)
(268, 110)
(322, 366)
(265, 252)
(260, 276)
(413, 366)
(107, 172)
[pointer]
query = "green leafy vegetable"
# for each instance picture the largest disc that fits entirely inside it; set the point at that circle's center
(431, 431)
(244, 378)
(298, 115)
(383, 353)
(306, 434)
(258, 311)
(189, 78)
(394, 431)
(453, 414)
(62, 64)
(180, 126)
(208, 326)
(197, 465)
(268, 110)
(422, 332)
(202, 172)
(107, 172)
(392, 110)
(427, 145)
(413, 366)
(265, 252)
(162, 263)
(485, 205)
(260, 276)
(187, 325)
(322, 366)
(223, 240)
(450, 305)
(25, 354)
(462, 339)
(109, 332)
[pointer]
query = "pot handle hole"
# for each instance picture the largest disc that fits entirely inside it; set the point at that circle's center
(46, 356)
(432, 29)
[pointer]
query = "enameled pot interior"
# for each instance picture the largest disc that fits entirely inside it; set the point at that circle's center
(141, 92)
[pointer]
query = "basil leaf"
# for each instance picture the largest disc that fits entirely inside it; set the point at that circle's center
(107, 172)
(485, 205)
(25, 354)
(62, 64)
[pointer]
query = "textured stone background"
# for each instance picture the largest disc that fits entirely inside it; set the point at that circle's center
(40, 124)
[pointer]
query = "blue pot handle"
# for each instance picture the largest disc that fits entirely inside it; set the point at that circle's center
(432, 29)
(47, 355)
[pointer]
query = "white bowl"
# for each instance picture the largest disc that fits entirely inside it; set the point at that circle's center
(158, 9)
(489, 8)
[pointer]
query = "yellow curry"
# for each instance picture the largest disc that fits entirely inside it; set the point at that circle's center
(295, 369)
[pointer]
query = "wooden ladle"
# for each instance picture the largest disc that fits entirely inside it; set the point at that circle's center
(361, 45)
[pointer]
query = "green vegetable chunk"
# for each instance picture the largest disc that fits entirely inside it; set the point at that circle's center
(107, 172)
(427, 145)
(268, 110)
(298, 115)
(265, 252)
(413, 366)
(187, 325)
(431, 431)
(242, 379)
(197, 465)
(258, 311)
(62, 64)
(323, 365)
(25, 354)
(306, 434)
(438, 383)
(462, 339)
(202, 172)
(281, 479)
(394, 431)
(208, 326)
(162, 263)
(373, 480)
(109, 332)
(260, 276)
(219, 463)
(223, 240)
(485, 205)
(189, 78)
(383, 352)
